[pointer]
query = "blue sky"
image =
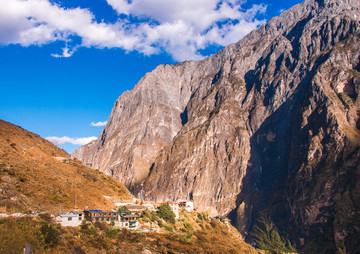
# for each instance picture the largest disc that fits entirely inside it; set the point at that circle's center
(63, 63)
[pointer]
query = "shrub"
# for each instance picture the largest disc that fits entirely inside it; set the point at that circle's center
(169, 227)
(88, 229)
(111, 232)
(188, 227)
(50, 235)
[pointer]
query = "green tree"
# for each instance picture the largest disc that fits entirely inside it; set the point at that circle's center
(267, 237)
(166, 213)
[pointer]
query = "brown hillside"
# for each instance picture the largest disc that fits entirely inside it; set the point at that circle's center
(31, 178)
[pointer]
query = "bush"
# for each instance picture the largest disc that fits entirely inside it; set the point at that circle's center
(111, 232)
(166, 213)
(50, 234)
(188, 227)
(169, 227)
(88, 229)
(201, 216)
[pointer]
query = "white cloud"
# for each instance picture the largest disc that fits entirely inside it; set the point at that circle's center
(98, 124)
(67, 52)
(75, 141)
(180, 28)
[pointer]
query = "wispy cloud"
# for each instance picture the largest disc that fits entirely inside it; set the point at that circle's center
(180, 28)
(67, 52)
(75, 141)
(98, 124)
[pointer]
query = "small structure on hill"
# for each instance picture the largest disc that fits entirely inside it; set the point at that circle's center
(99, 215)
(28, 249)
(186, 205)
(136, 208)
(68, 220)
(80, 214)
(129, 221)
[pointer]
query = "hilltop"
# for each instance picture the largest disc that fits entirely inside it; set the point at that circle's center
(37, 175)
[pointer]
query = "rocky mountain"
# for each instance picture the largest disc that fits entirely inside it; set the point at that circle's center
(37, 175)
(267, 125)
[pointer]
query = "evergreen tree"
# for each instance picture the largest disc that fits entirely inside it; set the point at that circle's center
(166, 213)
(268, 238)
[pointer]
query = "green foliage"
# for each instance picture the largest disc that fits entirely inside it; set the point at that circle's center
(160, 223)
(202, 216)
(341, 247)
(88, 229)
(168, 227)
(166, 213)
(15, 232)
(111, 232)
(188, 227)
(124, 209)
(268, 238)
(146, 213)
(51, 235)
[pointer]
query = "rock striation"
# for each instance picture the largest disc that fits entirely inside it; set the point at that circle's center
(267, 125)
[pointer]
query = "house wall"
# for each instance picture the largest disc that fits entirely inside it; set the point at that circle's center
(68, 221)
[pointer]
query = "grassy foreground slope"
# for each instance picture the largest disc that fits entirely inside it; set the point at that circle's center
(32, 178)
(207, 236)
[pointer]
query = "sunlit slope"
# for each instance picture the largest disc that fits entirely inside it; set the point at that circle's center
(32, 176)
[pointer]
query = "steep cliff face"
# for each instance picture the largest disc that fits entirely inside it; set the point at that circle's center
(269, 124)
(146, 119)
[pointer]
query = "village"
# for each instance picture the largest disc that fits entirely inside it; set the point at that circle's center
(125, 215)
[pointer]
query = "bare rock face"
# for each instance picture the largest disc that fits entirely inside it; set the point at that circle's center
(269, 124)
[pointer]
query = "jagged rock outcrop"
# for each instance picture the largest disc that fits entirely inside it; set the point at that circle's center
(269, 124)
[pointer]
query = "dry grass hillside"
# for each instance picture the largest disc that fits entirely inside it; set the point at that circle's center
(203, 235)
(32, 178)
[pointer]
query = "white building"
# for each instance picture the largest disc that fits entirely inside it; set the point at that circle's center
(68, 220)
(129, 221)
(80, 214)
(187, 205)
(175, 208)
